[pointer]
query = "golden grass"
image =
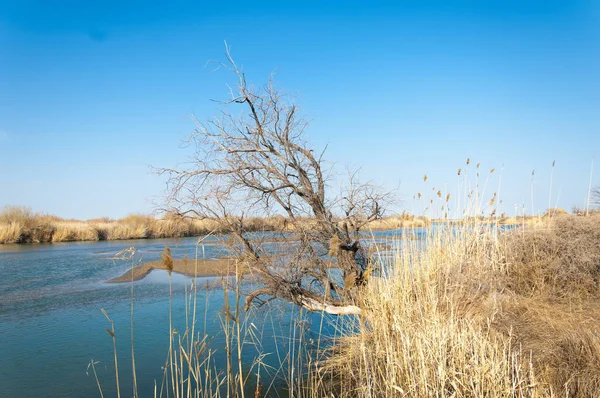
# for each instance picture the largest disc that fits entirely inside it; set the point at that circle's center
(21, 225)
(69, 231)
(400, 221)
(11, 232)
(480, 313)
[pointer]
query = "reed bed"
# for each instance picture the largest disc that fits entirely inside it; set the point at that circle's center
(472, 312)
(21, 225)
(403, 220)
(68, 231)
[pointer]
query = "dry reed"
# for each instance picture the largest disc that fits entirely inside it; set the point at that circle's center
(474, 312)
(20, 225)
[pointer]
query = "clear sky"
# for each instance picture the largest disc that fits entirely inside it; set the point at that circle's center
(92, 93)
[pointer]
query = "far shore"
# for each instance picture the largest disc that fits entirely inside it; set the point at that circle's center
(21, 225)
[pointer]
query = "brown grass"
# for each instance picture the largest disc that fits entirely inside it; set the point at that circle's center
(21, 225)
(478, 313)
(561, 259)
(403, 220)
(69, 231)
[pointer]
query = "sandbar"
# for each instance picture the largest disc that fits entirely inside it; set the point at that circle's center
(198, 268)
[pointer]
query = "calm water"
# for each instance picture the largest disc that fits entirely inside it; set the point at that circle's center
(51, 325)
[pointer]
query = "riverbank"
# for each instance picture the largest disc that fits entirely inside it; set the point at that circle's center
(21, 225)
(480, 313)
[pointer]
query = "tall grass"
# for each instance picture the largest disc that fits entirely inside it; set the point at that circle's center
(476, 309)
(417, 337)
(472, 312)
(69, 231)
(21, 225)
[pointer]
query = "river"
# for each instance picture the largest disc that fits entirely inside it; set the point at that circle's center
(52, 327)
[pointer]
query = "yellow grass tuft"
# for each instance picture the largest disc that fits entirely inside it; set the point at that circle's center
(11, 232)
(70, 231)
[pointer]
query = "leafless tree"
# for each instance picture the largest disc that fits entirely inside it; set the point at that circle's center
(257, 161)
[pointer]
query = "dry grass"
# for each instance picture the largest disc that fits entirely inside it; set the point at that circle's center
(561, 259)
(480, 314)
(21, 225)
(69, 231)
(11, 232)
(403, 220)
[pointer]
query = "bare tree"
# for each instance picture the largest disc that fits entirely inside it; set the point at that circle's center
(257, 161)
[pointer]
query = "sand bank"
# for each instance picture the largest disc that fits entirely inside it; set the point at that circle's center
(199, 268)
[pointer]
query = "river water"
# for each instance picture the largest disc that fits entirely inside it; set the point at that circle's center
(52, 327)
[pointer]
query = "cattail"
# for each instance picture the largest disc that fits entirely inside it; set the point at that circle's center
(468, 161)
(553, 163)
(478, 164)
(258, 391)
(458, 171)
(168, 260)
(447, 198)
(425, 177)
(439, 193)
(419, 195)
(492, 170)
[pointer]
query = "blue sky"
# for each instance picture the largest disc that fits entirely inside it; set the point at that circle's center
(92, 93)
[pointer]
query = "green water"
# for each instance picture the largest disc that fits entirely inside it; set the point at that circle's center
(51, 325)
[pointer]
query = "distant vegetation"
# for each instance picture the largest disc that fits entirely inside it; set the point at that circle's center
(22, 225)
